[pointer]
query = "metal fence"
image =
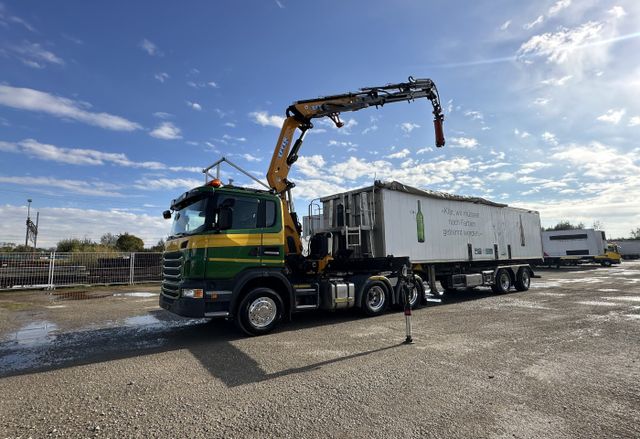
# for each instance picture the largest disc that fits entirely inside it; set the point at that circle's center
(56, 269)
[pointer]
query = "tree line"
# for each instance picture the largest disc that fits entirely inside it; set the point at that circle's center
(108, 243)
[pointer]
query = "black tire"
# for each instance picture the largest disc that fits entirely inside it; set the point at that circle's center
(446, 286)
(502, 282)
(259, 311)
(606, 263)
(523, 279)
(418, 297)
(375, 297)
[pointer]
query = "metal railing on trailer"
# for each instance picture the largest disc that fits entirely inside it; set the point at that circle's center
(61, 269)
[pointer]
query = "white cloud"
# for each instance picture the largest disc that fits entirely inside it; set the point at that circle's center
(531, 167)
(474, 115)
(310, 166)
(167, 183)
(407, 127)
(342, 144)
(34, 55)
(557, 46)
(617, 12)
(500, 176)
(521, 134)
(35, 100)
(251, 158)
(166, 131)
(212, 84)
(505, 25)
(612, 116)
(399, 155)
(162, 115)
(464, 142)
(534, 23)
(424, 150)
(83, 187)
(194, 105)
(234, 139)
(558, 82)
(280, 4)
(549, 138)
(558, 6)
(230, 124)
(600, 161)
(162, 76)
(82, 156)
(265, 119)
(634, 121)
(150, 48)
(541, 101)
(194, 84)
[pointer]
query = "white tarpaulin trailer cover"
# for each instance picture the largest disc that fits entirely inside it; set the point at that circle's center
(430, 227)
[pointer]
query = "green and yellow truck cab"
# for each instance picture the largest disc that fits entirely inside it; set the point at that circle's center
(221, 239)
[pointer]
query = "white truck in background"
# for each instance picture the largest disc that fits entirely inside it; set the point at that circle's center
(577, 246)
(629, 248)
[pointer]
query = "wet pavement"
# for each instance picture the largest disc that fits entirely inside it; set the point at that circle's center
(561, 360)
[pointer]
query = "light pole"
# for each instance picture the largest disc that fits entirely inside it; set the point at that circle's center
(26, 238)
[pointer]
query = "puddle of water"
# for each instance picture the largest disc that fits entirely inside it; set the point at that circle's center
(56, 306)
(78, 295)
(597, 303)
(544, 285)
(35, 334)
(607, 290)
(143, 320)
(136, 294)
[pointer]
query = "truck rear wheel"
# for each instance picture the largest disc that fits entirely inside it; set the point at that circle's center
(260, 311)
(374, 298)
(523, 279)
(416, 295)
(502, 282)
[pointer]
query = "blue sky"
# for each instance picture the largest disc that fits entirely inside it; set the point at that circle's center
(108, 111)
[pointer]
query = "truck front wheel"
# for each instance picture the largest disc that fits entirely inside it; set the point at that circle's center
(523, 279)
(260, 311)
(502, 282)
(374, 298)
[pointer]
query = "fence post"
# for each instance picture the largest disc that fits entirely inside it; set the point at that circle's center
(52, 264)
(132, 260)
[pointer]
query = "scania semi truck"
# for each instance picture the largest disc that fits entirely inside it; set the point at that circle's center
(236, 253)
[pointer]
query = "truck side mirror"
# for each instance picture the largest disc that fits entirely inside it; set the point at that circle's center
(166, 214)
(225, 218)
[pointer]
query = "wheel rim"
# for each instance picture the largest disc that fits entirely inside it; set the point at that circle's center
(375, 298)
(262, 312)
(505, 282)
(415, 295)
(526, 280)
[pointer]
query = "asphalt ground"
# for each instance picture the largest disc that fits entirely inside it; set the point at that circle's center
(560, 360)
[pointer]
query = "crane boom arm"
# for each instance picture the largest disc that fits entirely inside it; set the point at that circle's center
(301, 113)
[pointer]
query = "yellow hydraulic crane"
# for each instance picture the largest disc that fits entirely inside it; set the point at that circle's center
(299, 116)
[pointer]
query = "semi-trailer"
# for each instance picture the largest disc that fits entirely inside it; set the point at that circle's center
(460, 241)
(576, 246)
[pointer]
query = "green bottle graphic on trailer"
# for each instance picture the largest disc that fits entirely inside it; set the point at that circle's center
(420, 223)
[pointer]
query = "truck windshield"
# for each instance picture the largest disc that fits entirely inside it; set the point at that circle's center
(190, 218)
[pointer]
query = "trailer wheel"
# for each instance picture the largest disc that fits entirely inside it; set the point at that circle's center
(260, 311)
(374, 298)
(502, 283)
(523, 279)
(417, 293)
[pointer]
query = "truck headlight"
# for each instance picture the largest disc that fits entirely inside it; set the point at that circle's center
(192, 293)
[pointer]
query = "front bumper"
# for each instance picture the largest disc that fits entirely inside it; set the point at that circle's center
(197, 308)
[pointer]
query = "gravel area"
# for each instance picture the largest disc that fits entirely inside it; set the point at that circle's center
(560, 360)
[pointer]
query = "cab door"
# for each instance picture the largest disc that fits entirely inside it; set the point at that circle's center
(239, 247)
(272, 248)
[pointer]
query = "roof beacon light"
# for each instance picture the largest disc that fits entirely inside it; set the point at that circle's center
(216, 182)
